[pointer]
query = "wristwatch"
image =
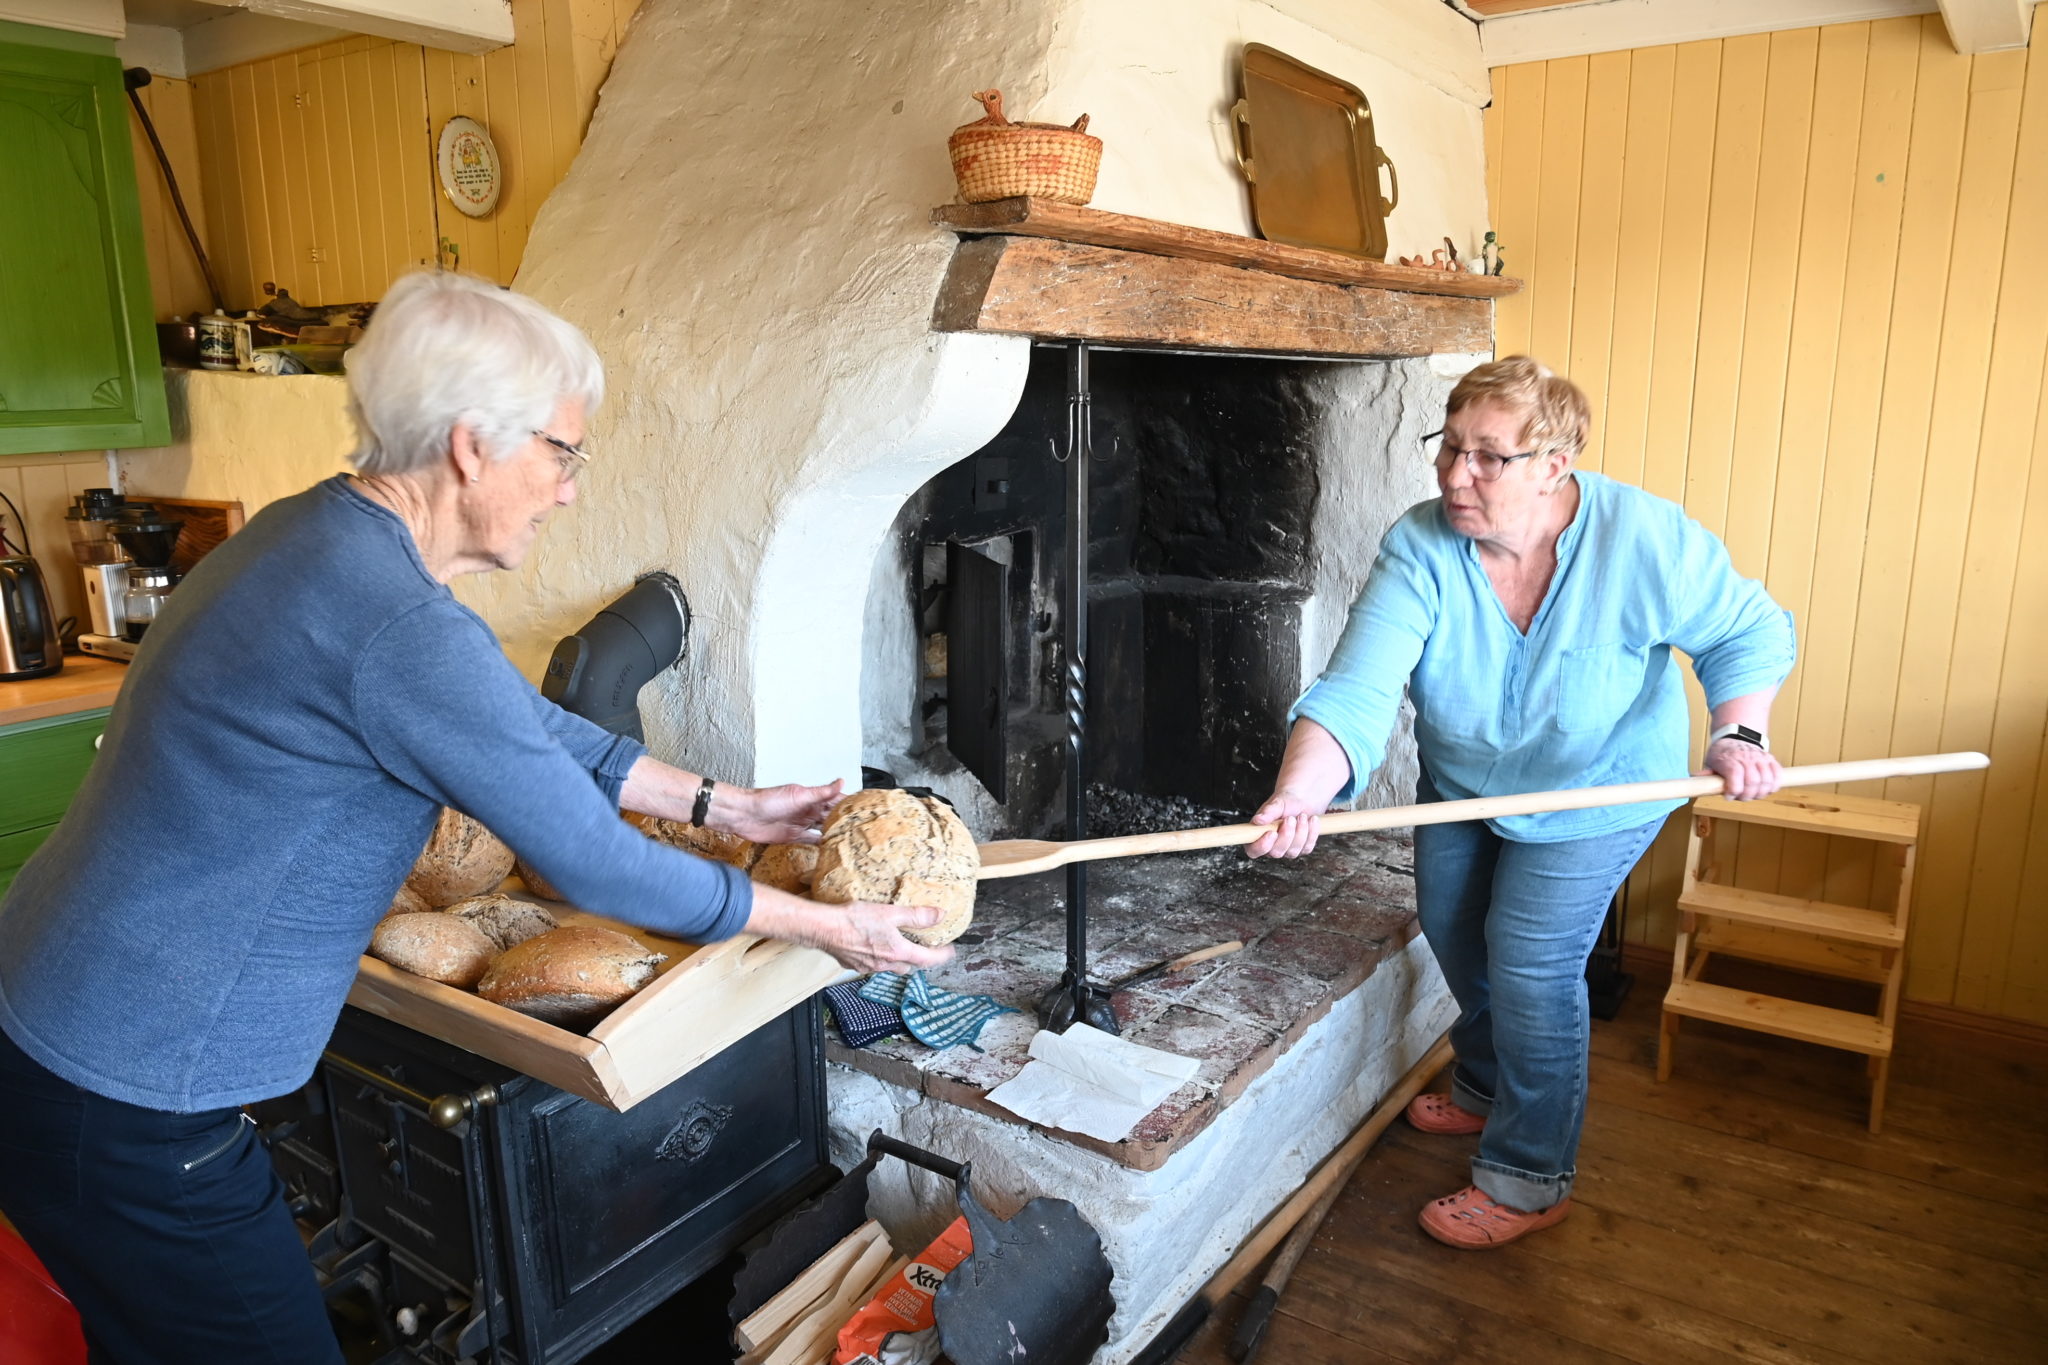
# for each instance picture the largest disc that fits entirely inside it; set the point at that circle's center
(1743, 733)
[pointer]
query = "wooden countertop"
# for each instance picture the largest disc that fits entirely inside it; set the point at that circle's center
(86, 684)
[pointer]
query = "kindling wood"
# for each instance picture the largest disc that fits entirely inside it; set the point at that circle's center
(1056, 290)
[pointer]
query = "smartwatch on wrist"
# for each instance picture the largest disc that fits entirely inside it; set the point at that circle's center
(1743, 733)
(702, 807)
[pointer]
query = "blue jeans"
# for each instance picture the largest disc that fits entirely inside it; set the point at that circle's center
(168, 1232)
(1511, 925)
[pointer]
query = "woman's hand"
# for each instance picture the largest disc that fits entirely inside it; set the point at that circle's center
(862, 936)
(869, 938)
(1295, 821)
(1749, 773)
(789, 814)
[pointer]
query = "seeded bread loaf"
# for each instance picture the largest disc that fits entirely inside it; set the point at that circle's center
(444, 948)
(705, 843)
(787, 867)
(531, 879)
(893, 848)
(462, 859)
(407, 902)
(570, 975)
(505, 920)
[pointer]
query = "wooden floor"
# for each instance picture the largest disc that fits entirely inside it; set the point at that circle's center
(1739, 1211)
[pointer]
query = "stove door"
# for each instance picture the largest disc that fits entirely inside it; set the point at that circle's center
(609, 1213)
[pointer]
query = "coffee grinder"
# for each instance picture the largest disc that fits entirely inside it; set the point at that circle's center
(101, 560)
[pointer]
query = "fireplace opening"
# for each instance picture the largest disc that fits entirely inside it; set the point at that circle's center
(1203, 492)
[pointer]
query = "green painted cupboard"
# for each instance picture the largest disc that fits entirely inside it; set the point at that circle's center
(79, 367)
(42, 763)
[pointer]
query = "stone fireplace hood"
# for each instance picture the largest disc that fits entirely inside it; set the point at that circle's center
(1050, 271)
(745, 236)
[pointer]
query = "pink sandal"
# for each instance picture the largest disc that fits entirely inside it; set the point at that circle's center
(1472, 1220)
(1441, 1114)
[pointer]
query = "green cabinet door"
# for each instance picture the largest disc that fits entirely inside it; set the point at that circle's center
(79, 368)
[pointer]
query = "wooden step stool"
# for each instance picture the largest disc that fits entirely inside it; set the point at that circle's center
(1814, 936)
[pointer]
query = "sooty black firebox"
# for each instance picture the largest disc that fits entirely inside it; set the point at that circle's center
(458, 1210)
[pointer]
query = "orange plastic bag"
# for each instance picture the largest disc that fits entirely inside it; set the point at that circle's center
(896, 1327)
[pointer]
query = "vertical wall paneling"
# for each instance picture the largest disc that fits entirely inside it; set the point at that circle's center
(1794, 272)
(1993, 685)
(175, 279)
(317, 166)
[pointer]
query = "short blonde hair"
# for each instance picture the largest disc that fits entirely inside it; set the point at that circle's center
(1555, 411)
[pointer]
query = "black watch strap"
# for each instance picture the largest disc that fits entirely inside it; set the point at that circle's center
(703, 806)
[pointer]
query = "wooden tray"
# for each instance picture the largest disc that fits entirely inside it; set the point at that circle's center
(704, 1000)
(1305, 143)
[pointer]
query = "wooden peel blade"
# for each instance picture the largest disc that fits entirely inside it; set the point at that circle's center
(1022, 857)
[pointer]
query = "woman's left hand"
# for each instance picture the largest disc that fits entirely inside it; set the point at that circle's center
(789, 814)
(1748, 772)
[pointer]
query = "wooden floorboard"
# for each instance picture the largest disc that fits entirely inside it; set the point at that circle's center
(1738, 1212)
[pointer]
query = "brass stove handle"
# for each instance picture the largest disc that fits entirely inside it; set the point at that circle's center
(443, 1111)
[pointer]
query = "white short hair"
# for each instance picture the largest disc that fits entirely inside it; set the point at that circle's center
(446, 349)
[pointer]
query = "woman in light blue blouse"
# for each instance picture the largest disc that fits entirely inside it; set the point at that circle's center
(1531, 612)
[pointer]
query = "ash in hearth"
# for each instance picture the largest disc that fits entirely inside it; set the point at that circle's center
(1113, 811)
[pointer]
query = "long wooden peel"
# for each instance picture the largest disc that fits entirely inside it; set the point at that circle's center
(1021, 857)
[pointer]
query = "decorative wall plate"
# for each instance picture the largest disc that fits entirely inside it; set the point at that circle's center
(471, 174)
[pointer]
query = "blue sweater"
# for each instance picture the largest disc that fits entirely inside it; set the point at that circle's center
(282, 745)
(1589, 697)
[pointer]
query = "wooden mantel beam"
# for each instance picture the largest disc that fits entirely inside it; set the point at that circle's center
(1040, 287)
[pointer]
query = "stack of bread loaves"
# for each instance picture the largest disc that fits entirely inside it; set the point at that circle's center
(449, 924)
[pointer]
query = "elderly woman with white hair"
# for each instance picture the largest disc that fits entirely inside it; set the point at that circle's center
(1530, 611)
(309, 700)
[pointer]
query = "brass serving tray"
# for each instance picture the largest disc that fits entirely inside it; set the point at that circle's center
(1305, 144)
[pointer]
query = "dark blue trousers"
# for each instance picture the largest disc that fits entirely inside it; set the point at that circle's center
(167, 1231)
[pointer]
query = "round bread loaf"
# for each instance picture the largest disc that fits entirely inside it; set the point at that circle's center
(444, 948)
(705, 843)
(570, 975)
(531, 879)
(893, 848)
(787, 867)
(505, 920)
(407, 902)
(462, 859)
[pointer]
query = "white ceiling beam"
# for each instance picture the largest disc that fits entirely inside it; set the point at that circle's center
(473, 26)
(103, 18)
(242, 37)
(159, 49)
(1986, 25)
(1618, 25)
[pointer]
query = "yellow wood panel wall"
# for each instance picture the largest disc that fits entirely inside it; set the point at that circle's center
(178, 286)
(318, 165)
(1798, 275)
(42, 486)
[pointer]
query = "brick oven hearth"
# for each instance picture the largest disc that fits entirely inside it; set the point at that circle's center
(1314, 930)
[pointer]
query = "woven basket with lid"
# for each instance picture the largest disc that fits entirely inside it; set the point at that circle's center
(994, 158)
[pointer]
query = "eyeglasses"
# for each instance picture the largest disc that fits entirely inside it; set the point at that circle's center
(1485, 466)
(570, 468)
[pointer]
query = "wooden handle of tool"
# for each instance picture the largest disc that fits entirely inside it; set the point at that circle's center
(1258, 1314)
(1181, 963)
(1530, 803)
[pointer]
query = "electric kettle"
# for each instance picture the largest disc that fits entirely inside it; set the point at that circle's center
(28, 629)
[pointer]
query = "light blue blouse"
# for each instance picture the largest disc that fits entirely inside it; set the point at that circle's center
(1590, 696)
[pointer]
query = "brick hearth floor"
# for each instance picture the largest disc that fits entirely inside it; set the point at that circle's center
(1314, 929)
